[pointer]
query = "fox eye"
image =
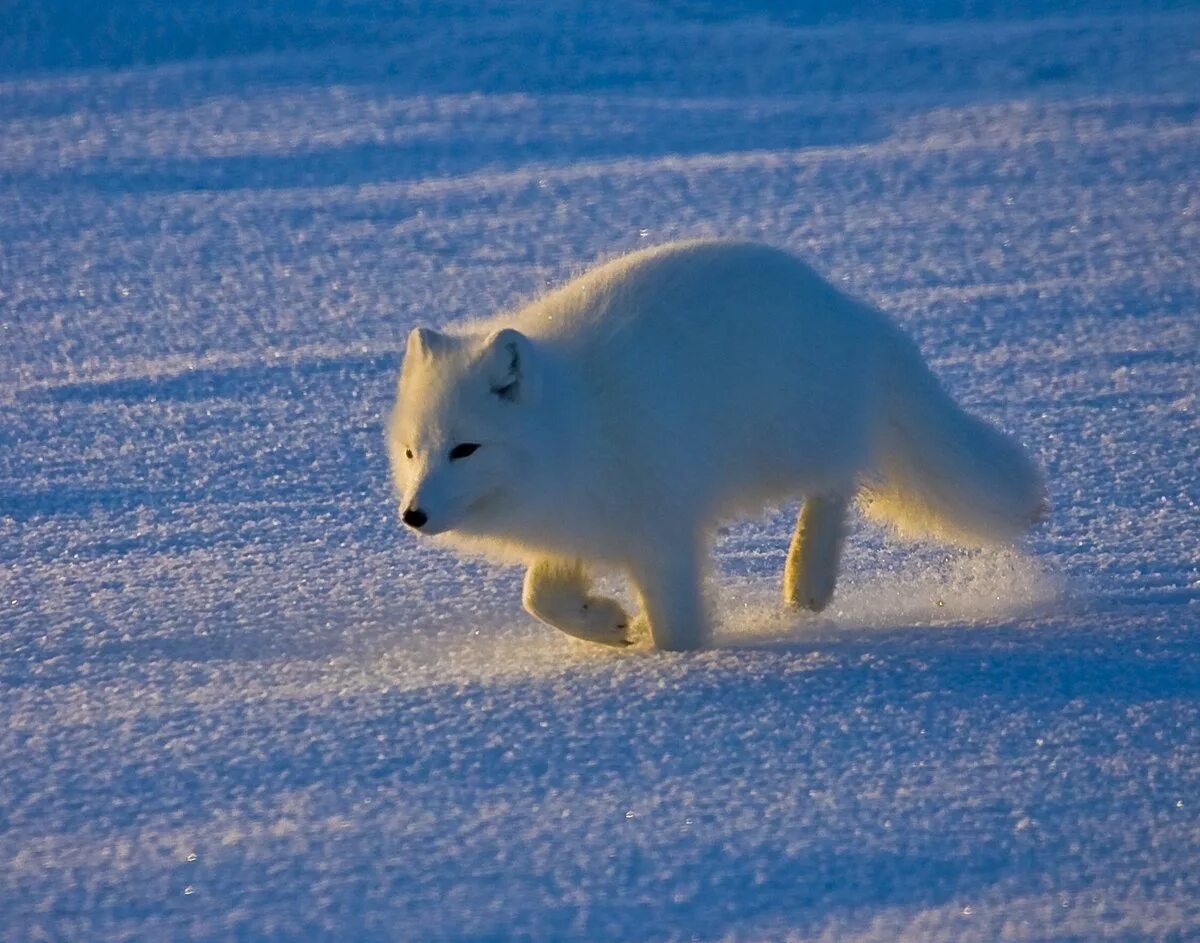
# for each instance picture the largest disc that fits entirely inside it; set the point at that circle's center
(462, 450)
(408, 453)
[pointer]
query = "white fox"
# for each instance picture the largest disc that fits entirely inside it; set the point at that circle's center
(613, 422)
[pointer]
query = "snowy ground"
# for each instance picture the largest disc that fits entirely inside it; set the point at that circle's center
(238, 703)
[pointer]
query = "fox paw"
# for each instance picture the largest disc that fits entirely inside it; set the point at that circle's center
(599, 620)
(812, 592)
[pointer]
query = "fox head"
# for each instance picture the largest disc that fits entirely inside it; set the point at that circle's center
(454, 437)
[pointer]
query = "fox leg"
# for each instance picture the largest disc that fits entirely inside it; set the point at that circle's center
(672, 603)
(556, 592)
(812, 561)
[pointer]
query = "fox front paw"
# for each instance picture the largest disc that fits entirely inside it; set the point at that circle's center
(600, 620)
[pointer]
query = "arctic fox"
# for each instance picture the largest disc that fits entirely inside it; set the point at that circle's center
(613, 422)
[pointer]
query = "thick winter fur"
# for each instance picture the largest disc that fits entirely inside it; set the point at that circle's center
(618, 418)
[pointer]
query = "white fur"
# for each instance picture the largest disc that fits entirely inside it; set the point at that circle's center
(622, 415)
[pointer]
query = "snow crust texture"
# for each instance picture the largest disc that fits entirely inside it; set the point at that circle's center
(238, 703)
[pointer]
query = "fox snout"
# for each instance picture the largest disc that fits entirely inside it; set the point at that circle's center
(414, 518)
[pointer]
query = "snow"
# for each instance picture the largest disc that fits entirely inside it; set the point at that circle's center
(238, 703)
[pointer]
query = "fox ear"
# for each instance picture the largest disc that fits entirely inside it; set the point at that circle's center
(425, 342)
(510, 365)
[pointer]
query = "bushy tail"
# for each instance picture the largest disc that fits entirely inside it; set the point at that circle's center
(942, 473)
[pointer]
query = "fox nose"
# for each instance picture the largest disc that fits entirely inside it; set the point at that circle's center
(414, 517)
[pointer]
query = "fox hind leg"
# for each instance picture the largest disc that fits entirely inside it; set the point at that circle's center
(812, 562)
(557, 593)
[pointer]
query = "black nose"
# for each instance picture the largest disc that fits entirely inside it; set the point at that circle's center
(414, 517)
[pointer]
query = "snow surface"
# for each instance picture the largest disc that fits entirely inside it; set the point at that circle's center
(238, 703)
